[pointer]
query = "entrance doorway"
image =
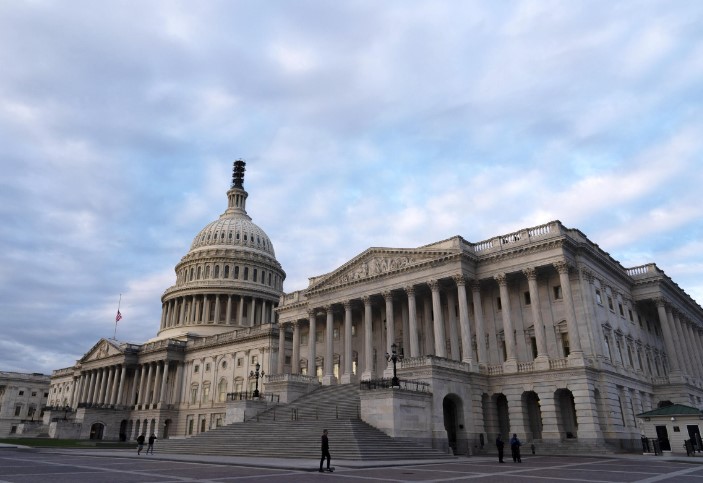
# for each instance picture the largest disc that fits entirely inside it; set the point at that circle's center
(663, 437)
(96, 431)
(450, 422)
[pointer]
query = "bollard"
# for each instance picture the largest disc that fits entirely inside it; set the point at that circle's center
(533, 448)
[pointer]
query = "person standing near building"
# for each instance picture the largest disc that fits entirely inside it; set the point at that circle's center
(325, 447)
(515, 448)
(140, 443)
(500, 444)
(152, 438)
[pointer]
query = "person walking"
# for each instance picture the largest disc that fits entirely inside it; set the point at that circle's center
(500, 444)
(152, 438)
(515, 448)
(140, 443)
(325, 451)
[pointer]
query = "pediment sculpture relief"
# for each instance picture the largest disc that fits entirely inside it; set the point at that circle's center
(376, 266)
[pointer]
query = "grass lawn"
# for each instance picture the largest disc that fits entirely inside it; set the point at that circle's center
(66, 443)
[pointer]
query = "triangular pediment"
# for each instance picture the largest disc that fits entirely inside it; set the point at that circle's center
(375, 262)
(102, 350)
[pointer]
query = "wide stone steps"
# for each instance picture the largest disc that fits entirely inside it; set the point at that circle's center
(294, 430)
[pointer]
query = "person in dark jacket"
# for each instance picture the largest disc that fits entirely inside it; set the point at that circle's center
(515, 448)
(325, 451)
(500, 444)
(149, 448)
(140, 443)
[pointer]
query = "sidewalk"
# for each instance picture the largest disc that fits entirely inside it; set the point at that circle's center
(294, 464)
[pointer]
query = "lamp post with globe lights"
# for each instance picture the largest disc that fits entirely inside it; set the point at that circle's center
(394, 357)
(256, 374)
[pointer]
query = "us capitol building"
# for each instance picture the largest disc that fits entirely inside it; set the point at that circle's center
(538, 332)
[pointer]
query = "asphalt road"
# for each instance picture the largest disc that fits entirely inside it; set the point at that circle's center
(35, 466)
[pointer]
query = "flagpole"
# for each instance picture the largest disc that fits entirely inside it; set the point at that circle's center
(114, 336)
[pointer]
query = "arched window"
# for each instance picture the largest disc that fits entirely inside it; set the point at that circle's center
(226, 271)
(207, 271)
(222, 390)
(206, 391)
(217, 272)
(198, 274)
(236, 272)
(191, 274)
(194, 393)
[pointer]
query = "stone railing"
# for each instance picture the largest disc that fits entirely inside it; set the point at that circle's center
(494, 370)
(659, 380)
(434, 361)
(416, 386)
(558, 363)
(163, 344)
(526, 366)
(519, 237)
(649, 268)
(62, 372)
(292, 378)
(233, 335)
(249, 396)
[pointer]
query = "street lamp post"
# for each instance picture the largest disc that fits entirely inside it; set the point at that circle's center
(394, 357)
(256, 374)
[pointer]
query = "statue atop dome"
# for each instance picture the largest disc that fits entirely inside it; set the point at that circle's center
(238, 174)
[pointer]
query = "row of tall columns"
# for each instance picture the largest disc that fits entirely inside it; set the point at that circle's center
(434, 325)
(198, 309)
(683, 341)
(103, 385)
(106, 385)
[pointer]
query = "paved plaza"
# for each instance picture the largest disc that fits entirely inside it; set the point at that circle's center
(80, 466)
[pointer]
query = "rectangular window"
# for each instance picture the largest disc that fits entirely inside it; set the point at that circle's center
(610, 303)
(353, 330)
(240, 361)
(499, 304)
(254, 359)
(253, 279)
(196, 369)
(190, 426)
(528, 301)
(534, 347)
(21, 393)
(599, 298)
(246, 273)
(193, 395)
(557, 292)
(13, 430)
(621, 310)
(303, 339)
(629, 312)
(335, 334)
(236, 272)
(34, 394)
(288, 359)
(206, 393)
(207, 367)
(565, 344)
(18, 410)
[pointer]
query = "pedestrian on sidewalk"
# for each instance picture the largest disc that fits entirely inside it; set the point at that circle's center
(500, 444)
(140, 443)
(152, 438)
(515, 448)
(325, 451)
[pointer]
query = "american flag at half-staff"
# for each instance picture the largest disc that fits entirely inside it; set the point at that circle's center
(118, 317)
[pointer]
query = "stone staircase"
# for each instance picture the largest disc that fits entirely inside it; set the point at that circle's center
(294, 430)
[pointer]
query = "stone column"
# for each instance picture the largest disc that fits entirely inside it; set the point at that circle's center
(167, 317)
(120, 389)
(228, 311)
(85, 384)
(542, 359)
(252, 312)
(240, 311)
(295, 363)
(575, 351)
(101, 386)
(164, 386)
(329, 378)
(669, 340)
(510, 364)
(312, 343)
(587, 413)
(684, 350)
(281, 346)
(206, 309)
(428, 325)
(135, 384)
(412, 322)
(157, 379)
(90, 387)
(198, 314)
(440, 338)
(163, 316)
(347, 376)
(114, 376)
(217, 309)
(150, 383)
(142, 383)
(178, 383)
(368, 340)
(390, 330)
(548, 409)
(466, 349)
(453, 332)
(478, 316)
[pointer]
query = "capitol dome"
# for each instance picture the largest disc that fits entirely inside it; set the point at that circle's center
(229, 278)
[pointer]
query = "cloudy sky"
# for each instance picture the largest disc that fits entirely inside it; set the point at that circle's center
(364, 123)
